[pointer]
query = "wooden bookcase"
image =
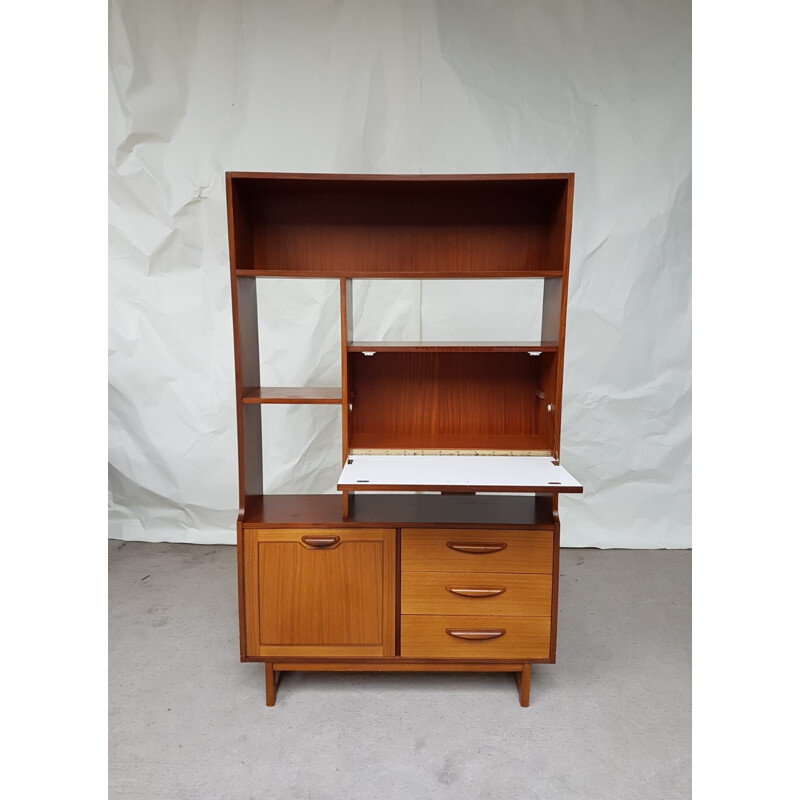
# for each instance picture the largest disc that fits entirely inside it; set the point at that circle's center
(371, 579)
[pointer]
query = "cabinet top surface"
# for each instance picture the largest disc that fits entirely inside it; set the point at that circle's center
(529, 176)
(397, 510)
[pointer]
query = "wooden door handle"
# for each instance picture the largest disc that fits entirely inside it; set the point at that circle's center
(477, 591)
(476, 548)
(320, 541)
(475, 635)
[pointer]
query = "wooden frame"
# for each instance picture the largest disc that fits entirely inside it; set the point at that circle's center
(489, 398)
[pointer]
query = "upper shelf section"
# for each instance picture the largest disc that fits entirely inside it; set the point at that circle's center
(399, 226)
(458, 473)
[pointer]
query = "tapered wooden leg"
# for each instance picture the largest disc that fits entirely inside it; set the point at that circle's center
(523, 680)
(273, 679)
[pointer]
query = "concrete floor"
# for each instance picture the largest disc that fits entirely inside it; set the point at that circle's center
(609, 721)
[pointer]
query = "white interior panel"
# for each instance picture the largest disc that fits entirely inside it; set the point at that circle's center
(491, 473)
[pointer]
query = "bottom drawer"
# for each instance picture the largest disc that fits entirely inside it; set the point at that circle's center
(474, 637)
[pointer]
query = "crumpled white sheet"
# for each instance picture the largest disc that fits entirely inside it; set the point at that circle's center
(601, 89)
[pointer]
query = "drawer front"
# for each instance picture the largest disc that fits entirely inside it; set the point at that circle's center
(474, 637)
(491, 593)
(495, 550)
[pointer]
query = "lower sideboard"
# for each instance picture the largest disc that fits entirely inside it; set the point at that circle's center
(353, 598)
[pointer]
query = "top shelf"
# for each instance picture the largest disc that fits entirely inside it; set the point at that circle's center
(381, 226)
(401, 178)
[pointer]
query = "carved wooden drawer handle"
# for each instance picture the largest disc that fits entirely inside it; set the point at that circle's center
(320, 541)
(475, 635)
(476, 548)
(477, 591)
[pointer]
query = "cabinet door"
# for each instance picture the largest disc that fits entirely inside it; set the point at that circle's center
(320, 592)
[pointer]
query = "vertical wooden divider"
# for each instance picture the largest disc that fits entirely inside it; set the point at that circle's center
(554, 328)
(554, 313)
(346, 314)
(247, 367)
(554, 325)
(250, 440)
(549, 424)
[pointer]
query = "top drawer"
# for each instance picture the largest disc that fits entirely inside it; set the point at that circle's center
(471, 550)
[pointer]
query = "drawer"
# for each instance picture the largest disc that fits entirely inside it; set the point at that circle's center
(474, 637)
(458, 550)
(504, 593)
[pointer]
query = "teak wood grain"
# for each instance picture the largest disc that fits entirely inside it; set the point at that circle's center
(399, 510)
(453, 347)
(306, 395)
(325, 593)
(554, 602)
(401, 665)
(521, 637)
(247, 360)
(554, 321)
(272, 682)
(246, 372)
(432, 550)
(339, 613)
(491, 593)
(449, 400)
(345, 335)
(523, 679)
(455, 274)
(368, 225)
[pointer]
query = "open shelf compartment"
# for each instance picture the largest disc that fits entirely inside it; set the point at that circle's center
(443, 400)
(399, 510)
(399, 226)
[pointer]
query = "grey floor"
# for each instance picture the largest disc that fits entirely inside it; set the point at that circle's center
(609, 721)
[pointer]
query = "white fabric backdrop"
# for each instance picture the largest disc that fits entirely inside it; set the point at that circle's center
(596, 87)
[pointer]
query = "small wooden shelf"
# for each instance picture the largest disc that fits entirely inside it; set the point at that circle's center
(399, 510)
(344, 272)
(453, 347)
(306, 395)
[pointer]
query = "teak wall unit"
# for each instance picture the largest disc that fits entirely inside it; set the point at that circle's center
(369, 579)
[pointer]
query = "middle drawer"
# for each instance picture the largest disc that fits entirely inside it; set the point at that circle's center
(508, 594)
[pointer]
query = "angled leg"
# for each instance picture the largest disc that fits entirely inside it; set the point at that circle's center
(273, 681)
(523, 680)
